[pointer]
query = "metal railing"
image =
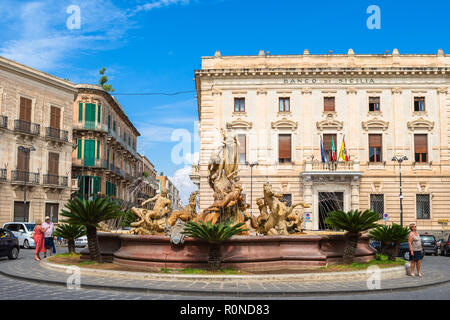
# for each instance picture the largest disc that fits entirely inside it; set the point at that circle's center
(2, 174)
(50, 179)
(97, 163)
(333, 166)
(57, 134)
(24, 176)
(27, 127)
(90, 125)
(4, 122)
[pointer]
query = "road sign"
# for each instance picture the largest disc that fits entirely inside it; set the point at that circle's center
(443, 221)
(385, 216)
(307, 216)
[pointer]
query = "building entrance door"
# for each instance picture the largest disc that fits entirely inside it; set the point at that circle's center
(329, 201)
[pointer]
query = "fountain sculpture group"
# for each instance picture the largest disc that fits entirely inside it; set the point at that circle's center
(276, 217)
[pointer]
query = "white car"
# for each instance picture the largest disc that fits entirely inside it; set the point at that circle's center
(22, 230)
(81, 241)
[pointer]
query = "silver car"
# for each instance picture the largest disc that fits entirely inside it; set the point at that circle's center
(22, 230)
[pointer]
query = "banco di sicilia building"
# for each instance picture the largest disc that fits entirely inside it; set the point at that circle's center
(286, 109)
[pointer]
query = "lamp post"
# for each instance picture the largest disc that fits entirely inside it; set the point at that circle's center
(27, 152)
(251, 164)
(400, 160)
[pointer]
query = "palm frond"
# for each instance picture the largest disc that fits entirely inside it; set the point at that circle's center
(212, 233)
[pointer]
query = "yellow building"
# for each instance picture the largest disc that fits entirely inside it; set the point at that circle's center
(283, 108)
(35, 143)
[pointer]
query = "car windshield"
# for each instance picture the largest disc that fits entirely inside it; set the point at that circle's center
(427, 238)
(30, 226)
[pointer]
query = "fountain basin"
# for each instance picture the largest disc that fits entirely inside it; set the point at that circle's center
(251, 253)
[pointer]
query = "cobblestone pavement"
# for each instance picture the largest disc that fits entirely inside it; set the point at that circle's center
(12, 274)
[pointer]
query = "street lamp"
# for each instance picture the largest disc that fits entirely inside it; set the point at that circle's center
(251, 164)
(400, 160)
(27, 151)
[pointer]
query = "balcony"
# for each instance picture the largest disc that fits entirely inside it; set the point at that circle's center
(57, 181)
(2, 175)
(3, 122)
(95, 163)
(27, 127)
(338, 168)
(90, 125)
(18, 176)
(56, 134)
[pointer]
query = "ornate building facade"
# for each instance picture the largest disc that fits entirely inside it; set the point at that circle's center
(284, 109)
(35, 143)
(105, 160)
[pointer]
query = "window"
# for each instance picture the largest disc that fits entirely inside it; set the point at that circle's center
(375, 148)
(21, 214)
(284, 105)
(53, 167)
(374, 103)
(55, 117)
(284, 148)
(377, 203)
(328, 104)
(51, 210)
(239, 104)
(420, 148)
(25, 109)
(419, 103)
(423, 206)
(328, 140)
(242, 148)
(287, 199)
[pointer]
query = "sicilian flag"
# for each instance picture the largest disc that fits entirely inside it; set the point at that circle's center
(333, 150)
(322, 152)
(343, 153)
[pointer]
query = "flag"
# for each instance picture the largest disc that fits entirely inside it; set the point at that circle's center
(333, 150)
(343, 152)
(322, 152)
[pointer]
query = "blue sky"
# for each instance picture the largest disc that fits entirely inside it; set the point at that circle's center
(155, 46)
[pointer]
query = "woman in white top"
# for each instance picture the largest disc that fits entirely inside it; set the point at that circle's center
(415, 249)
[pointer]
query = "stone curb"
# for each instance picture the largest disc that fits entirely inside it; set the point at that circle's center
(385, 273)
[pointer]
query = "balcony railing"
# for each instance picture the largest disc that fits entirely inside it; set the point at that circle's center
(90, 125)
(97, 163)
(4, 122)
(27, 127)
(332, 166)
(56, 134)
(2, 174)
(24, 176)
(61, 181)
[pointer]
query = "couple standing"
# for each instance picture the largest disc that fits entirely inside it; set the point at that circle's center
(43, 238)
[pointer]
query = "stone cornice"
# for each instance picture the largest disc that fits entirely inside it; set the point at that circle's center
(330, 123)
(375, 124)
(420, 123)
(284, 123)
(239, 124)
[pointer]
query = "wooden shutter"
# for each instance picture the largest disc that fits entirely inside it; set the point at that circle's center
(375, 141)
(53, 163)
(55, 117)
(25, 109)
(420, 143)
(22, 163)
(328, 104)
(284, 146)
(99, 113)
(80, 146)
(80, 112)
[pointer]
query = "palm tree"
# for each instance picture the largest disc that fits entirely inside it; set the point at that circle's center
(354, 222)
(215, 235)
(90, 213)
(390, 238)
(70, 232)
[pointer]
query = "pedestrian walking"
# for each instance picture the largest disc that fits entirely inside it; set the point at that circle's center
(39, 239)
(49, 238)
(416, 250)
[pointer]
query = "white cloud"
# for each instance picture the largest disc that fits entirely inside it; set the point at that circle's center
(183, 183)
(157, 4)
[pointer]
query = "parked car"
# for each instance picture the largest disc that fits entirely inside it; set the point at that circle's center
(429, 244)
(81, 241)
(22, 230)
(403, 251)
(444, 247)
(9, 244)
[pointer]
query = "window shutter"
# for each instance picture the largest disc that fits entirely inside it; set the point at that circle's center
(328, 103)
(55, 117)
(25, 109)
(98, 149)
(375, 140)
(22, 164)
(284, 146)
(420, 143)
(80, 142)
(99, 113)
(53, 163)
(80, 112)
(96, 185)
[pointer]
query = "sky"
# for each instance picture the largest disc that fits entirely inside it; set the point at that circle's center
(155, 46)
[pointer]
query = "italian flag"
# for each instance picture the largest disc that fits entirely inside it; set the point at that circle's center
(333, 150)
